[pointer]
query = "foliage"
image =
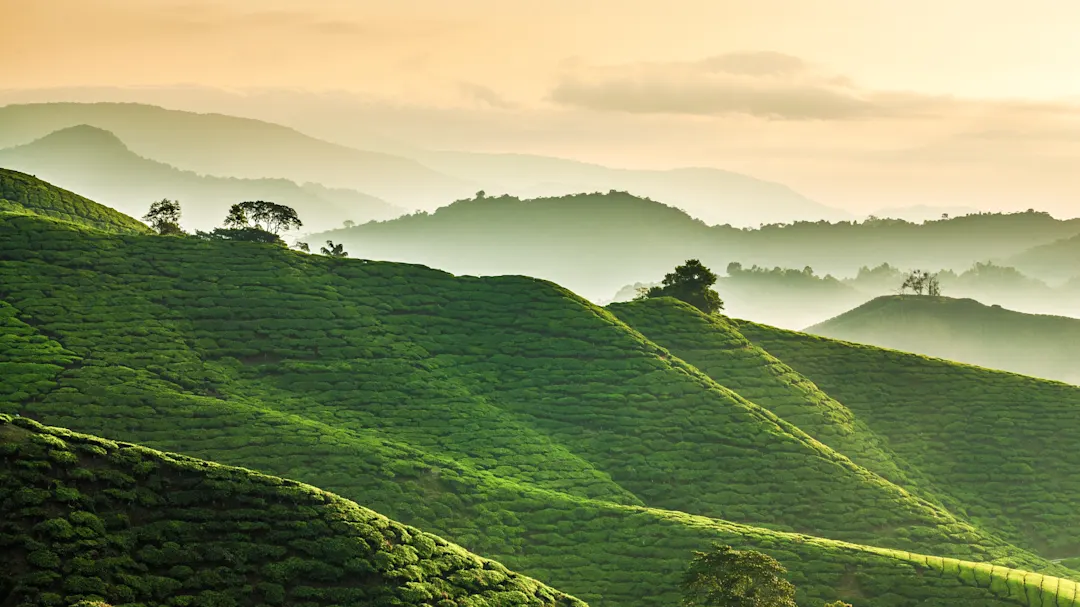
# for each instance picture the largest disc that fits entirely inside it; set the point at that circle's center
(333, 250)
(691, 282)
(23, 193)
(919, 281)
(261, 215)
(725, 577)
(505, 414)
(89, 520)
(249, 234)
(164, 217)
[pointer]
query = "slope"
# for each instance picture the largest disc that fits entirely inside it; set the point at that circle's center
(180, 343)
(964, 330)
(988, 440)
(22, 193)
(97, 162)
(91, 519)
(594, 244)
(215, 144)
(1057, 261)
(170, 525)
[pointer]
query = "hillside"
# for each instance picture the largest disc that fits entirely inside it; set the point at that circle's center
(22, 193)
(507, 415)
(964, 330)
(987, 440)
(92, 519)
(1058, 261)
(215, 144)
(96, 162)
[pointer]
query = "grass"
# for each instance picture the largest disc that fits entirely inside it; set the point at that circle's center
(22, 193)
(964, 330)
(505, 414)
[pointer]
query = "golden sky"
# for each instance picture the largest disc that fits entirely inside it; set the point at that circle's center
(854, 102)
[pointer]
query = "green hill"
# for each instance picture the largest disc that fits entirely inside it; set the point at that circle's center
(21, 193)
(594, 244)
(988, 441)
(210, 534)
(506, 414)
(1057, 261)
(92, 519)
(91, 160)
(967, 331)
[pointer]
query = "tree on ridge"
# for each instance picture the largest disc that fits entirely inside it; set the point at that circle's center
(164, 217)
(691, 282)
(725, 577)
(262, 215)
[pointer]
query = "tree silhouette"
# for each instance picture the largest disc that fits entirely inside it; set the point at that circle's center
(261, 215)
(725, 577)
(691, 282)
(333, 250)
(164, 217)
(919, 281)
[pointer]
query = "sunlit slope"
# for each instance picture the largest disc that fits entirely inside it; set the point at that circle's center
(22, 193)
(714, 345)
(512, 375)
(964, 330)
(995, 442)
(91, 519)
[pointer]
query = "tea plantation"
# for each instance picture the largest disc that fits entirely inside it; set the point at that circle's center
(22, 193)
(88, 519)
(505, 414)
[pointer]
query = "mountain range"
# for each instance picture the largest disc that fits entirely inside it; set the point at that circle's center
(590, 448)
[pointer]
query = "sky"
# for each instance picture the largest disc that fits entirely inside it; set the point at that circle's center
(856, 103)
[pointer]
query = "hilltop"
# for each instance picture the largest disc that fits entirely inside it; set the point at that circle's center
(964, 330)
(22, 193)
(1058, 261)
(596, 243)
(505, 414)
(97, 162)
(229, 146)
(93, 519)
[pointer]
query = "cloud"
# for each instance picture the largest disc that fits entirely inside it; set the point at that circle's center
(485, 95)
(767, 85)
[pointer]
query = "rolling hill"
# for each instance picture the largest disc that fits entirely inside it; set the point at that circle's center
(505, 414)
(967, 331)
(89, 519)
(1058, 261)
(215, 144)
(21, 193)
(96, 162)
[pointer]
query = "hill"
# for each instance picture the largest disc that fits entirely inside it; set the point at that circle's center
(215, 144)
(1058, 261)
(987, 440)
(91, 519)
(94, 161)
(594, 244)
(712, 195)
(964, 330)
(505, 414)
(21, 193)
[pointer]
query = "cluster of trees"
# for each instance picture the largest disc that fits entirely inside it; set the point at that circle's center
(919, 281)
(691, 282)
(251, 221)
(725, 577)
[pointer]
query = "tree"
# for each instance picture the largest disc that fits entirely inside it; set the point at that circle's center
(333, 250)
(725, 577)
(164, 217)
(261, 215)
(348, 223)
(303, 246)
(691, 282)
(919, 281)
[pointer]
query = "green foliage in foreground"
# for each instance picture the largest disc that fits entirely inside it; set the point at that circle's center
(506, 415)
(21, 193)
(87, 519)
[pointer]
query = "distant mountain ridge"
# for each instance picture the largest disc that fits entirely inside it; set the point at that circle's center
(97, 162)
(967, 331)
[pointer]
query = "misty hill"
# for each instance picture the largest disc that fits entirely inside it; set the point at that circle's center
(967, 331)
(21, 193)
(89, 519)
(96, 162)
(715, 196)
(595, 244)
(505, 414)
(1058, 261)
(215, 144)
